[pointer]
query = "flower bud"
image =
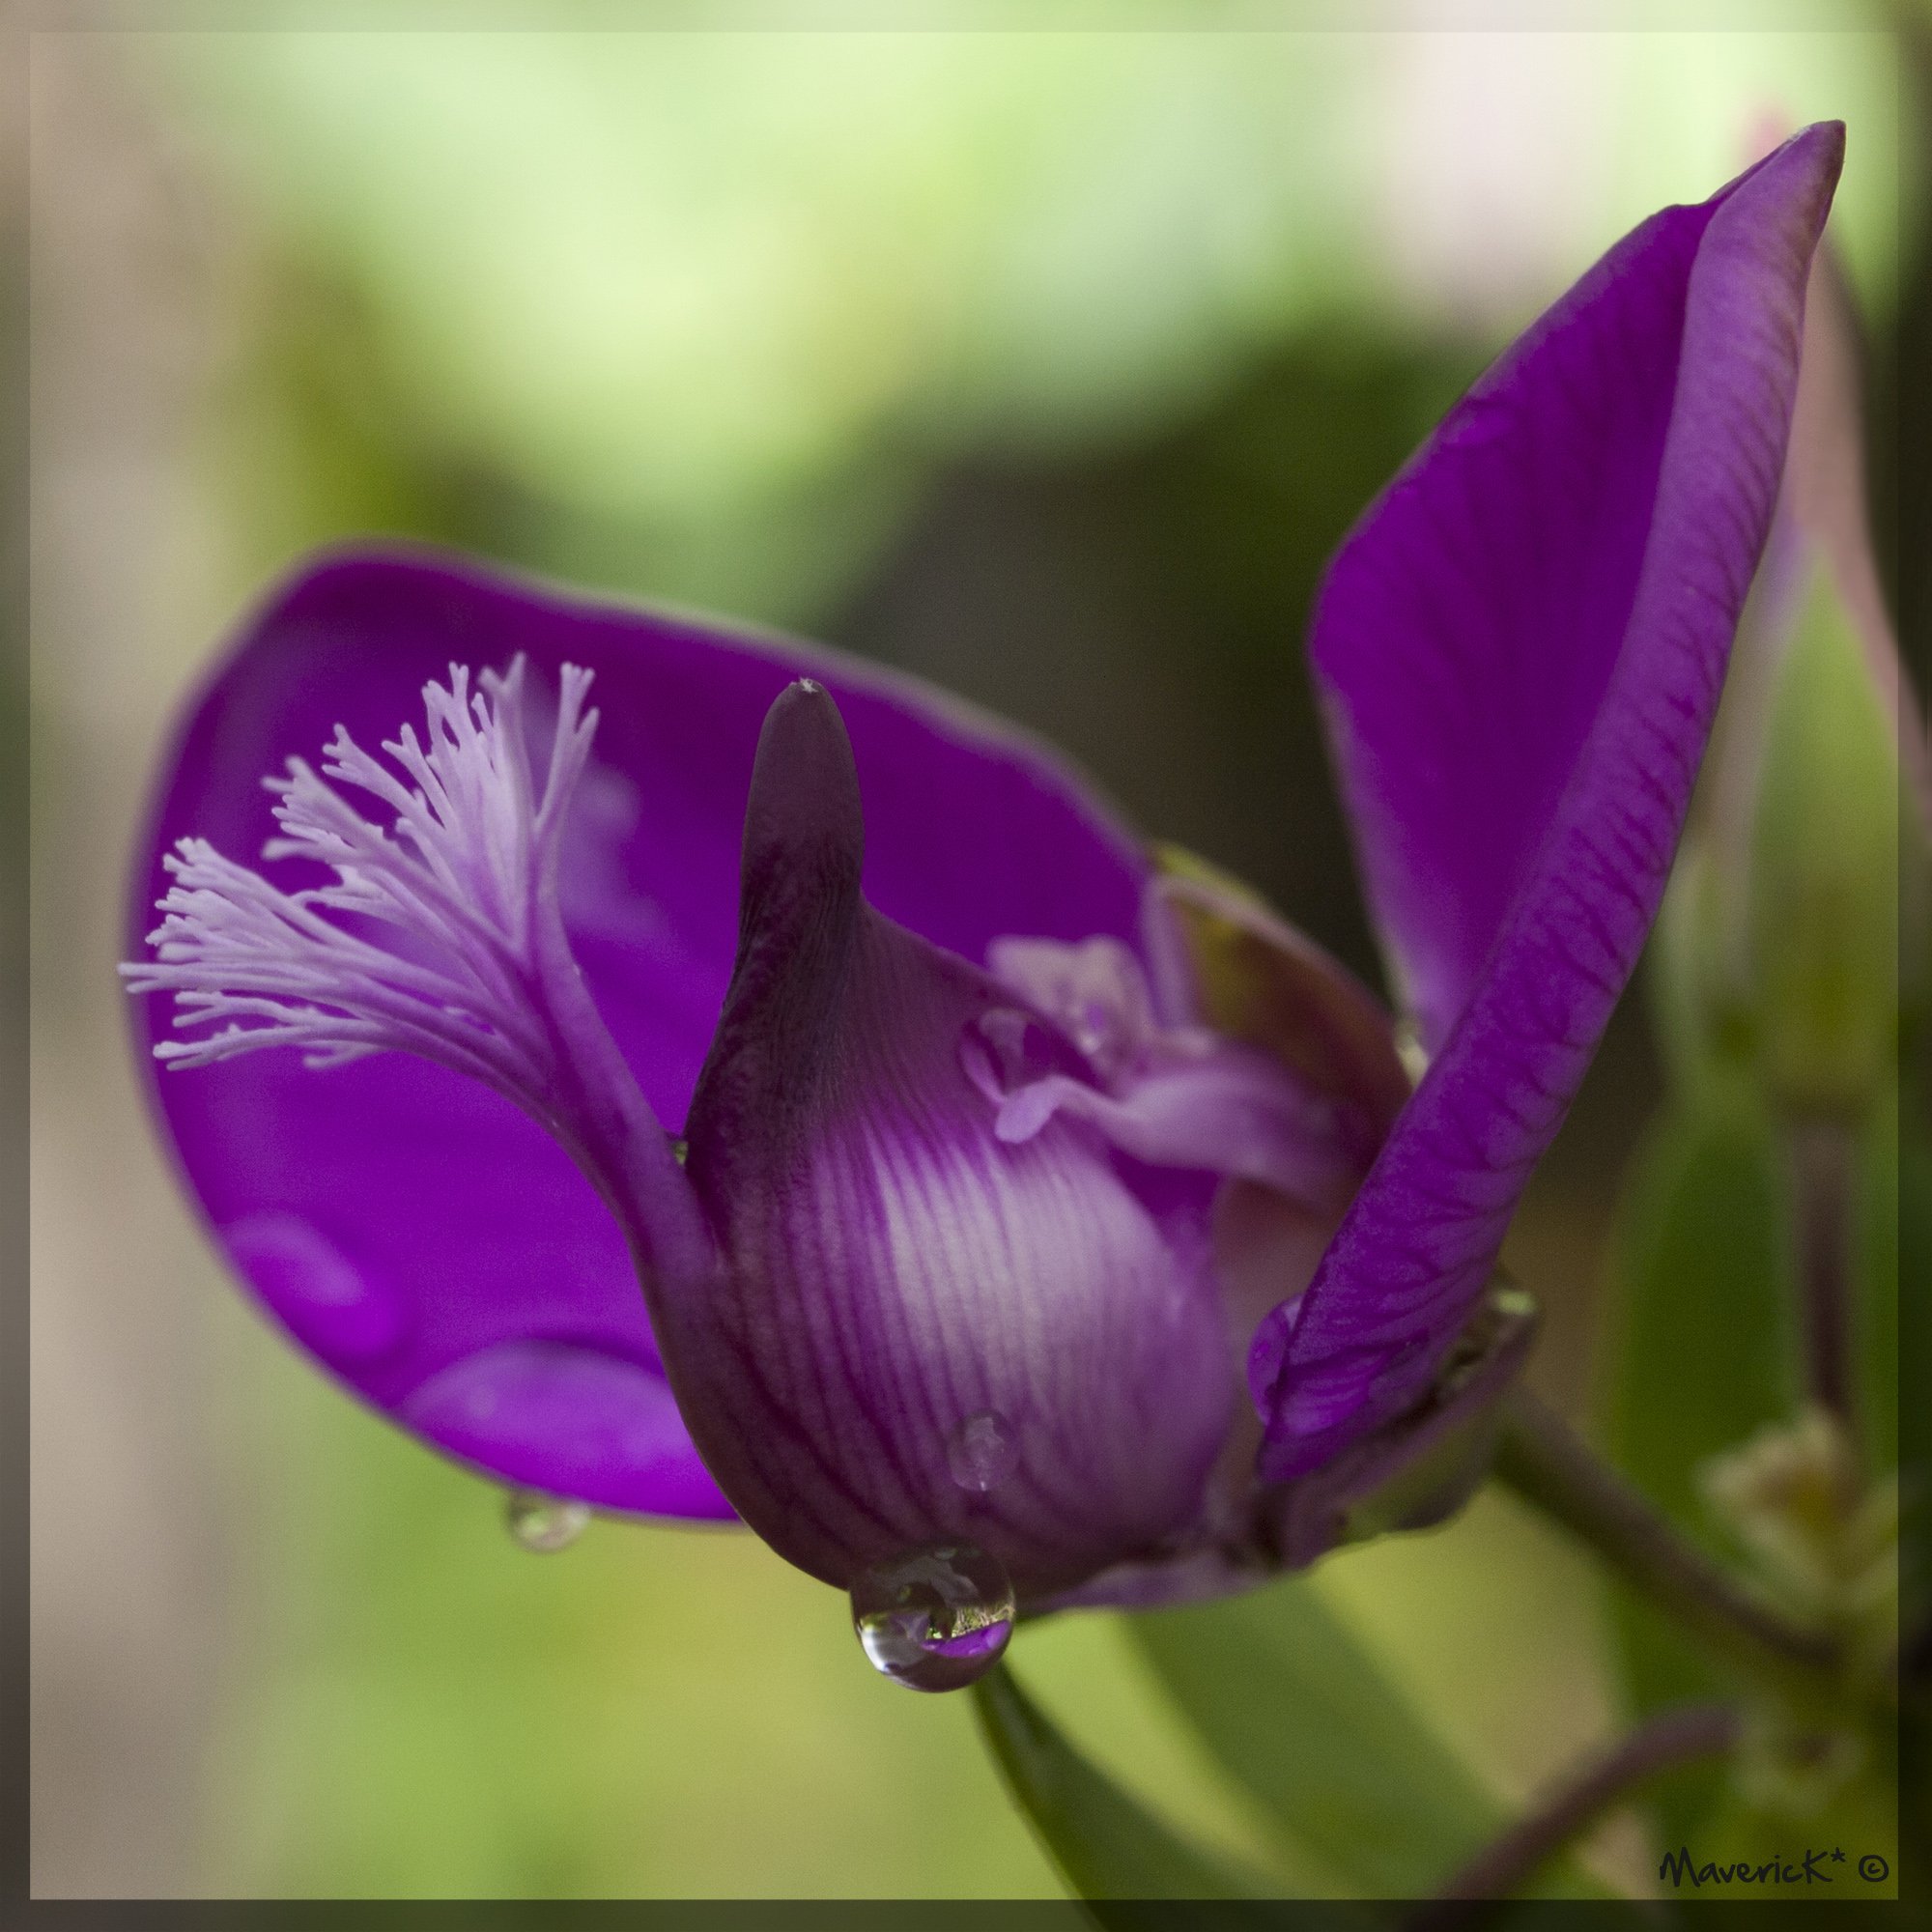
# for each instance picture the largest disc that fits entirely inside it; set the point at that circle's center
(1824, 873)
(924, 1335)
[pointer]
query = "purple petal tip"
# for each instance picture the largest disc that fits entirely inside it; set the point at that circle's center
(1520, 647)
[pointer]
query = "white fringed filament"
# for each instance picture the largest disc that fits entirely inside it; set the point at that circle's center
(464, 878)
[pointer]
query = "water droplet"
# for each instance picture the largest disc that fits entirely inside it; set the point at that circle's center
(543, 1523)
(935, 1618)
(1410, 1051)
(982, 1451)
(1096, 1031)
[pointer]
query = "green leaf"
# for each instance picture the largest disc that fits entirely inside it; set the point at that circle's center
(1106, 1843)
(1702, 1357)
(1303, 1719)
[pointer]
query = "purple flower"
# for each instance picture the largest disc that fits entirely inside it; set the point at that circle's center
(1010, 1168)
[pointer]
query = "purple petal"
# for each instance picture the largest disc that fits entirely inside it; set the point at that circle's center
(571, 1421)
(895, 1273)
(1522, 649)
(1421, 1468)
(401, 1222)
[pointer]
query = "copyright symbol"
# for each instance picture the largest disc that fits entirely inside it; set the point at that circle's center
(1874, 1869)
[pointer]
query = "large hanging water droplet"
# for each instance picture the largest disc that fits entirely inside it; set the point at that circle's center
(935, 1618)
(982, 1451)
(543, 1523)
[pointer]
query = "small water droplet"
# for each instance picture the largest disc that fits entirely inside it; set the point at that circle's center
(1410, 1051)
(1096, 1031)
(935, 1618)
(543, 1523)
(982, 1451)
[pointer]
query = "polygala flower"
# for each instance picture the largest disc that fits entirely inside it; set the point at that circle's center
(1019, 1220)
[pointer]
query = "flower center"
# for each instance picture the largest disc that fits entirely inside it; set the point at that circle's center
(1168, 1095)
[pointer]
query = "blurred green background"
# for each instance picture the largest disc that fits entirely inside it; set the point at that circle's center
(1048, 365)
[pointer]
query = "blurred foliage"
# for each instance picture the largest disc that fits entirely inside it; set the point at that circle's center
(711, 304)
(1050, 366)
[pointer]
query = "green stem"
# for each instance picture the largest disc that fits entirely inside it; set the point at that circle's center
(1679, 1735)
(1547, 1464)
(1821, 1159)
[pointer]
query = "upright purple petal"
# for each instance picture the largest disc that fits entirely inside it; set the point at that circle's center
(1521, 648)
(429, 1245)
